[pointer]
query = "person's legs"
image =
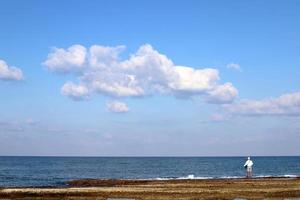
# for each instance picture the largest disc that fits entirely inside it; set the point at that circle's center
(249, 170)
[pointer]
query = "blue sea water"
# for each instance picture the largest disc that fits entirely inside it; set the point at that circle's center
(55, 171)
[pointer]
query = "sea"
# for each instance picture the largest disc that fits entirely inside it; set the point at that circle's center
(56, 171)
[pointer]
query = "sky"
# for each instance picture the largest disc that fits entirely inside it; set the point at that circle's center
(149, 78)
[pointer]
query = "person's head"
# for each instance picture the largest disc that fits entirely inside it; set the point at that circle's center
(248, 158)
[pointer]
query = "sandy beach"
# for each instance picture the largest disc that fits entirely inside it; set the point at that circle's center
(266, 188)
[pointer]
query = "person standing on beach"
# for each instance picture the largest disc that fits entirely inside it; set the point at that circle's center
(248, 165)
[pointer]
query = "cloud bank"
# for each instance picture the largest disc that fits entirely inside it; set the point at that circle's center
(10, 73)
(286, 104)
(100, 69)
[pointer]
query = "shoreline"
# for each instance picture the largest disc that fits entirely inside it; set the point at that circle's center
(257, 188)
(91, 181)
(118, 182)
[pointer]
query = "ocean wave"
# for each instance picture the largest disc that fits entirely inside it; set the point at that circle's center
(291, 176)
(278, 176)
(188, 177)
(230, 177)
(193, 177)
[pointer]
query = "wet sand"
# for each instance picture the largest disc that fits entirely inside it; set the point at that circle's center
(265, 188)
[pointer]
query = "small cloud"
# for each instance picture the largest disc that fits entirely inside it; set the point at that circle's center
(117, 107)
(10, 73)
(234, 66)
(76, 92)
(223, 94)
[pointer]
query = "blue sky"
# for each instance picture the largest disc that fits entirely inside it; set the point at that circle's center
(191, 78)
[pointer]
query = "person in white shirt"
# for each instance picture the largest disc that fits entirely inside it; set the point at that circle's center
(248, 165)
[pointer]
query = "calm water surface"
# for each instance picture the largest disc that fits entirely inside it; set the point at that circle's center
(55, 171)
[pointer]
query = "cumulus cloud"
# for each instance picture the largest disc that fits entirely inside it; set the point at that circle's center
(10, 73)
(234, 66)
(222, 94)
(117, 107)
(286, 104)
(194, 81)
(64, 61)
(100, 69)
(76, 92)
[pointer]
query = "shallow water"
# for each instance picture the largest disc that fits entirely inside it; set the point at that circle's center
(54, 171)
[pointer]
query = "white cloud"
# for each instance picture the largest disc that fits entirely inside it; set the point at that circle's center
(222, 94)
(234, 66)
(286, 104)
(76, 92)
(194, 81)
(113, 83)
(117, 107)
(146, 72)
(101, 57)
(10, 73)
(64, 61)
